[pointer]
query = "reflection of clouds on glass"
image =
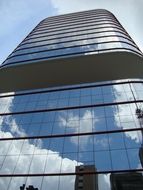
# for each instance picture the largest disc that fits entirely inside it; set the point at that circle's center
(104, 182)
(86, 124)
(9, 121)
(29, 156)
(13, 128)
(126, 113)
(48, 162)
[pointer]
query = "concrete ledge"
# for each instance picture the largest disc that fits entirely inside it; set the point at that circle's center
(72, 70)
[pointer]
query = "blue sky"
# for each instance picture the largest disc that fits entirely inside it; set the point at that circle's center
(19, 17)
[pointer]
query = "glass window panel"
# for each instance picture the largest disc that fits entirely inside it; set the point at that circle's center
(33, 129)
(24, 119)
(23, 164)
(62, 116)
(58, 128)
(28, 147)
(48, 117)
(99, 124)
(98, 112)
(111, 111)
(102, 160)
(64, 103)
(4, 183)
(42, 146)
(37, 164)
(113, 123)
(116, 141)
(53, 160)
(9, 164)
(52, 104)
(37, 118)
(133, 139)
(86, 157)
(101, 142)
(4, 147)
(86, 143)
(15, 147)
(50, 182)
(70, 144)
(134, 160)
(97, 99)
(74, 93)
(86, 125)
(71, 156)
(85, 100)
(56, 144)
(119, 160)
(16, 183)
(46, 128)
(30, 106)
(73, 115)
(35, 181)
(69, 185)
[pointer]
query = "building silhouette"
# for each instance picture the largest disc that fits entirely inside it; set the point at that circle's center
(126, 181)
(86, 181)
(76, 87)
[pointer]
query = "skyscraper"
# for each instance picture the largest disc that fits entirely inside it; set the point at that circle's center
(69, 107)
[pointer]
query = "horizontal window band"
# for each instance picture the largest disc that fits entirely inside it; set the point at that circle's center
(71, 54)
(78, 20)
(54, 38)
(73, 134)
(73, 88)
(75, 24)
(70, 32)
(72, 107)
(75, 40)
(74, 16)
(80, 27)
(71, 16)
(74, 46)
(71, 173)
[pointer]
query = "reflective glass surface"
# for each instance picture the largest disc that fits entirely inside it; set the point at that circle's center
(72, 38)
(49, 37)
(97, 127)
(81, 50)
(68, 35)
(73, 136)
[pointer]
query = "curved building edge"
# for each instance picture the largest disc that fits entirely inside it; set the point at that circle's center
(71, 70)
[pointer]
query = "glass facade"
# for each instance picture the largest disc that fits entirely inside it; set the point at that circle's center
(68, 137)
(96, 31)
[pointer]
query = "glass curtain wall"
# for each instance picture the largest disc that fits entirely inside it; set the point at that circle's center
(79, 136)
(46, 134)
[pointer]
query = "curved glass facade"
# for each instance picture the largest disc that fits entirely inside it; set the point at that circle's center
(72, 35)
(76, 137)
